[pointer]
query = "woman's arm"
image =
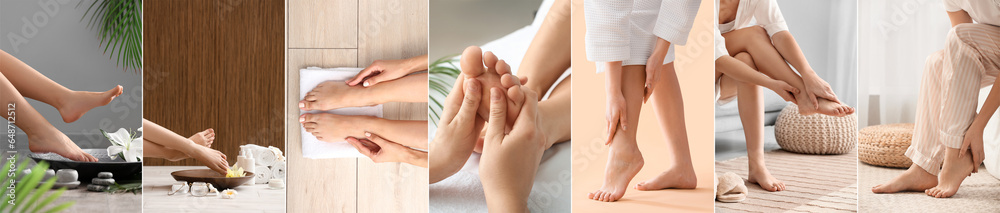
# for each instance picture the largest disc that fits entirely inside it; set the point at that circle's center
(653, 64)
(959, 17)
(738, 70)
(387, 70)
(411, 88)
(615, 112)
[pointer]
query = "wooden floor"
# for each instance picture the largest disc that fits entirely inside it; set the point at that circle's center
(351, 33)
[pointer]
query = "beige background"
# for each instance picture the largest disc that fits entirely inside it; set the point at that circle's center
(695, 69)
(350, 33)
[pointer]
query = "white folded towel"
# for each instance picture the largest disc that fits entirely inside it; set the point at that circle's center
(278, 170)
(313, 148)
(262, 174)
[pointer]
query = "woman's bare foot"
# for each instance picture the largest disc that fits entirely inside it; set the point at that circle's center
(913, 179)
(760, 176)
(673, 178)
(56, 142)
(213, 159)
(473, 61)
(831, 108)
(954, 170)
(624, 162)
(332, 127)
(334, 94)
(826, 107)
(73, 107)
(204, 138)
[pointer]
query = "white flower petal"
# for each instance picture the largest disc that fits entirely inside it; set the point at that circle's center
(114, 150)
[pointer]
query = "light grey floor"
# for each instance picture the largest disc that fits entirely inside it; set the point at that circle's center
(732, 144)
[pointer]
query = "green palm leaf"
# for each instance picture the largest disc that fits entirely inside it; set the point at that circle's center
(30, 189)
(119, 25)
(442, 72)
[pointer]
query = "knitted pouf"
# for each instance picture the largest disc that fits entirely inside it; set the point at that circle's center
(815, 134)
(884, 145)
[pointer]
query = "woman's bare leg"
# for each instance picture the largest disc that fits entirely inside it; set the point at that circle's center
(71, 104)
(42, 136)
(337, 94)
(152, 149)
(155, 133)
(755, 41)
(669, 106)
(751, 109)
(555, 113)
(549, 53)
(624, 158)
(332, 127)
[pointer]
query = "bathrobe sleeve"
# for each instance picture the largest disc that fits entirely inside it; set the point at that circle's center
(670, 20)
(720, 42)
(952, 5)
(607, 36)
(768, 15)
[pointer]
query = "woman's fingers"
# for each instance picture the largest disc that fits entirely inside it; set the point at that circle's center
(363, 75)
(497, 121)
(612, 126)
(467, 112)
(651, 76)
(364, 150)
(453, 102)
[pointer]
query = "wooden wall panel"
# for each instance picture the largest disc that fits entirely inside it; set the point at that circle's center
(216, 64)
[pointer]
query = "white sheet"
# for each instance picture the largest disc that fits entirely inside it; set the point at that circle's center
(313, 148)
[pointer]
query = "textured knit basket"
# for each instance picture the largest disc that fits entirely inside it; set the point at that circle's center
(815, 134)
(885, 145)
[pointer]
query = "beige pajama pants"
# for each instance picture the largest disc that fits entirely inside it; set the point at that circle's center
(949, 91)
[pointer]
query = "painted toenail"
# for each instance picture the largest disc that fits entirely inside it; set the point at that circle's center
(366, 84)
(368, 134)
(302, 105)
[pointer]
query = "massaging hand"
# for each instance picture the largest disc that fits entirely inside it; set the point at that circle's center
(510, 161)
(783, 89)
(458, 129)
(653, 65)
(615, 114)
(381, 150)
(817, 88)
(973, 144)
(383, 70)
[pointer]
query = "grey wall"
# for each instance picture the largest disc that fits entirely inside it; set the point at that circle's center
(67, 52)
(830, 50)
(456, 24)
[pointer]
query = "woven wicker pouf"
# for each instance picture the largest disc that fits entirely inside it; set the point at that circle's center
(884, 145)
(815, 134)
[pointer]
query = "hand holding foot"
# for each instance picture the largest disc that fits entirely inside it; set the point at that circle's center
(913, 179)
(624, 162)
(458, 129)
(387, 70)
(954, 170)
(973, 145)
(816, 88)
(77, 103)
(494, 74)
(380, 150)
(510, 161)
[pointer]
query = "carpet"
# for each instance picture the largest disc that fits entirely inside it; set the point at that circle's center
(978, 193)
(814, 183)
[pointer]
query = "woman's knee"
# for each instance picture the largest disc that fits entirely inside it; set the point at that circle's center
(746, 59)
(957, 35)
